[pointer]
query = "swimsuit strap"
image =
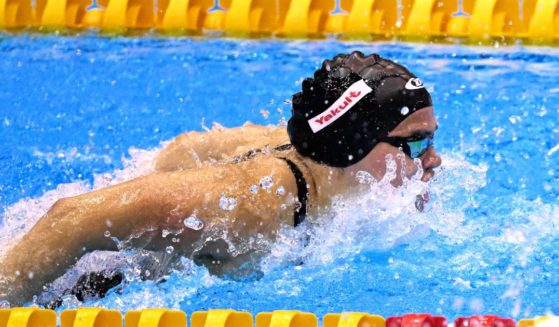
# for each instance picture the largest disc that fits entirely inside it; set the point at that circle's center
(252, 153)
(284, 147)
(302, 195)
(300, 212)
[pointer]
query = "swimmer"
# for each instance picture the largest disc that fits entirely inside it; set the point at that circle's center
(244, 181)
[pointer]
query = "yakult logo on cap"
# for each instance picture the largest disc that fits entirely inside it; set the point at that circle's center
(345, 102)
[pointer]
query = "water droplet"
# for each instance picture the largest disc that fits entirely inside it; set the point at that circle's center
(497, 157)
(266, 183)
(129, 275)
(350, 157)
(30, 275)
(325, 101)
(283, 206)
(265, 113)
(107, 233)
(515, 119)
(405, 110)
(193, 223)
(165, 232)
(253, 189)
(226, 203)
(169, 249)
(280, 191)
(70, 301)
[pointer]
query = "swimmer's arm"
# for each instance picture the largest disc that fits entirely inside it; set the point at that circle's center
(75, 226)
(195, 149)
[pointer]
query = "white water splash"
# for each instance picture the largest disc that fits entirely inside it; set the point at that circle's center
(18, 218)
(382, 218)
(385, 217)
(193, 222)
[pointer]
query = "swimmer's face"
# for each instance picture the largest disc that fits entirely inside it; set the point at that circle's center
(420, 123)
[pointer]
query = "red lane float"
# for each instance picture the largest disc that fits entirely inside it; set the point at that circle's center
(416, 320)
(484, 321)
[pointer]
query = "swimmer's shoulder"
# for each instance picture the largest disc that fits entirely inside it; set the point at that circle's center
(285, 159)
(196, 149)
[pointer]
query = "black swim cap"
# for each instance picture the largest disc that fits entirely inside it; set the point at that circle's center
(352, 102)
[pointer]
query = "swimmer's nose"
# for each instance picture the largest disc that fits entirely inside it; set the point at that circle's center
(431, 159)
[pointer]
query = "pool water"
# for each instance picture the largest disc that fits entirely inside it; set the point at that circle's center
(83, 112)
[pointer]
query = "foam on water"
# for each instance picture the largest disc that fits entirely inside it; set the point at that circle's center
(386, 216)
(382, 219)
(18, 218)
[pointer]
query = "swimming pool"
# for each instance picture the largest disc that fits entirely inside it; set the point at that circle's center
(82, 112)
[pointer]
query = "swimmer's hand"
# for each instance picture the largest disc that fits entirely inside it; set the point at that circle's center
(420, 201)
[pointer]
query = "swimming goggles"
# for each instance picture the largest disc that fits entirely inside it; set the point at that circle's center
(414, 147)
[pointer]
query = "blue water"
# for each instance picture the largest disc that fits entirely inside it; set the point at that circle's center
(71, 108)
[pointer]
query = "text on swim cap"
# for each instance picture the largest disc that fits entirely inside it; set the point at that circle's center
(414, 84)
(345, 102)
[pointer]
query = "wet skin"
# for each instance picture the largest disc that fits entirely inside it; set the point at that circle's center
(421, 122)
(186, 183)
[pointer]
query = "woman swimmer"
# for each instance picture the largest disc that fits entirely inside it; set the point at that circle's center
(354, 112)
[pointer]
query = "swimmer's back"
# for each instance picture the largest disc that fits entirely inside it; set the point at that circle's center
(194, 149)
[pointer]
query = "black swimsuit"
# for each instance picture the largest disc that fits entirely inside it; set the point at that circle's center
(300, 211)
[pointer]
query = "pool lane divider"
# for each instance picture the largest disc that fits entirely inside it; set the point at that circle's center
(89, 317)
(536, 20)
(155, 318)
(286, 318)
(539, 322)
(416, 320)
(27, 317)
(99, 317)
(221, 318)
(352, 319)
(482, 321)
